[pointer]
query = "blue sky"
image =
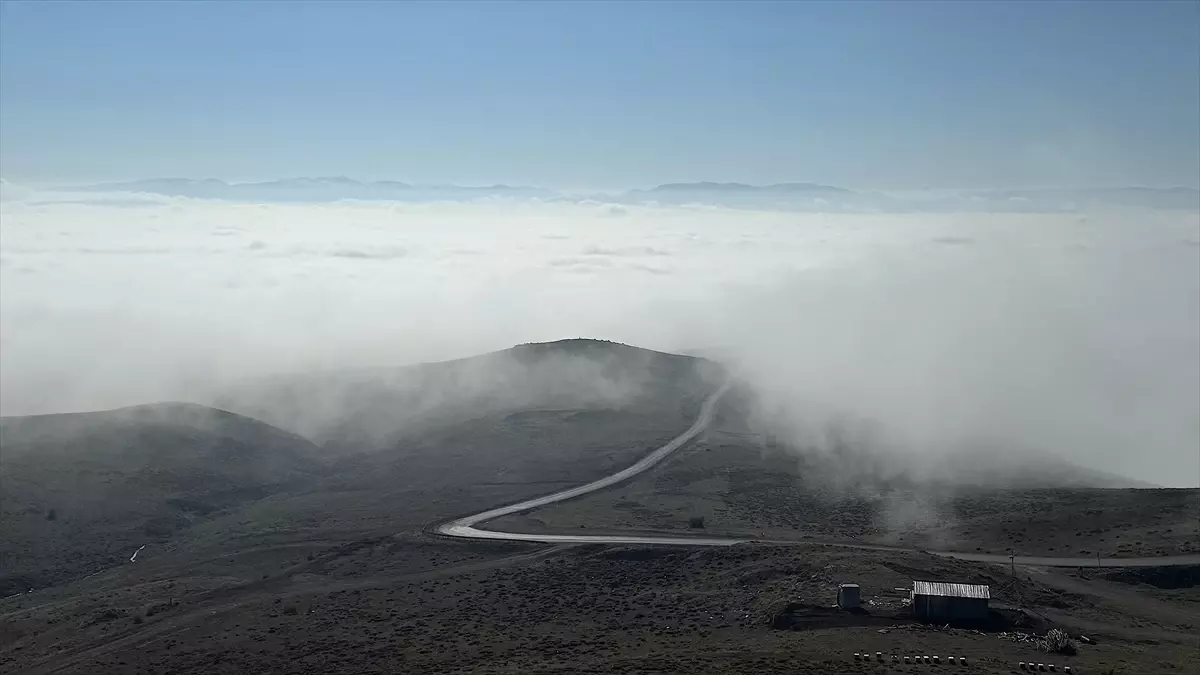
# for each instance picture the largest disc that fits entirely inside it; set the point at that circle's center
(605, 95)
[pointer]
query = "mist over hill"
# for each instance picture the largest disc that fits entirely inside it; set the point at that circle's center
(83, 490)
(1073, 334)
(515, 338)
(368, 408)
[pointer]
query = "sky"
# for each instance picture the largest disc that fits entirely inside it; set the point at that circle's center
(889, 95)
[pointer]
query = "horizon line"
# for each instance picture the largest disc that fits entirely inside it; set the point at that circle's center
(60, 185)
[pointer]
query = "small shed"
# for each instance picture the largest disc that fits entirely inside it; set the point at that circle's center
(939, 601)
(848, 597)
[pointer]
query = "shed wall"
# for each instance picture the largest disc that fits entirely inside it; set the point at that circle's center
(947, 608)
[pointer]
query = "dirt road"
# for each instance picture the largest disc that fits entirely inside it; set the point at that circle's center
(466, 527)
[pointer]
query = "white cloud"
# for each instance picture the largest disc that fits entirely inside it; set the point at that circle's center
(381, 253)
(1081, 336)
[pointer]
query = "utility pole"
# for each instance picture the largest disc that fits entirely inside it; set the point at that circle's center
(1097, 558)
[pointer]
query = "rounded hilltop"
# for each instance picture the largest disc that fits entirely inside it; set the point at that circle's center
(579, 346)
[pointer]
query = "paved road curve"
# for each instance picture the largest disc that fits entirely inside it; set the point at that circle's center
(465, 528)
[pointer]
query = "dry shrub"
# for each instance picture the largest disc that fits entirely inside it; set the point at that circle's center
(1057, 642)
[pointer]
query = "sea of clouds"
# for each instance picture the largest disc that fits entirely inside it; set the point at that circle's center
(1074, 332)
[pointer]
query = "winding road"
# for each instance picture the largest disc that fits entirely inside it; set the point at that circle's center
(466, 527)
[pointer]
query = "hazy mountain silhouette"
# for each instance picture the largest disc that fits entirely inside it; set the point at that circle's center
(777, 188)
(320, 189)
(814, 197)
(781, 196)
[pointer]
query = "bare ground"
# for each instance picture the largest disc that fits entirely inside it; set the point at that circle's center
(334, 574)
(742, 489)
(581, 609)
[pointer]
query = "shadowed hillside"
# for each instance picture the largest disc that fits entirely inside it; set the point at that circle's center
(371, 409)
(267, 548)
(86, 489)
(82, 491)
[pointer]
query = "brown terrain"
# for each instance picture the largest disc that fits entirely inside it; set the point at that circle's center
(307, 551)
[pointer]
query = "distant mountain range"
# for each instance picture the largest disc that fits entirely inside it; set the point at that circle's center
(778, 188)
(313, 190)
(779, 196)
(817, 197)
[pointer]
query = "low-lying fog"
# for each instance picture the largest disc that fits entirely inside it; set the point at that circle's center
(1073, 333)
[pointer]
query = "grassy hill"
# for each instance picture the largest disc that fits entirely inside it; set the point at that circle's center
(84, 490)
(373, 408)
(268, 548)
(390, 449)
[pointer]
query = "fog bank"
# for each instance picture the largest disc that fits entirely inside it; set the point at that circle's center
(1066, 333)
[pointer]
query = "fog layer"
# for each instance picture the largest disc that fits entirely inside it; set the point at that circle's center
(1068, 333)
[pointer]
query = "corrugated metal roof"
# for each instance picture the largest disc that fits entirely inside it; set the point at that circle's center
(951, 590)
